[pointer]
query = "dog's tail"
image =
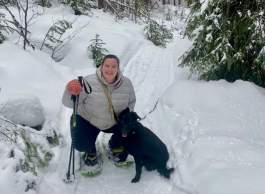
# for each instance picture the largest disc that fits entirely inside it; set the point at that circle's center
(166, 172)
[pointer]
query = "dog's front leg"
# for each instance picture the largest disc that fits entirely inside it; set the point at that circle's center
(138, 168)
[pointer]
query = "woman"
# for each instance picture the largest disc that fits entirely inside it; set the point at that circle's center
(111, 93)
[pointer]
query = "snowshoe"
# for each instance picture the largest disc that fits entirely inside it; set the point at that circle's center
(91, 166)
(123, 164)
(116, 156)
(112, 155)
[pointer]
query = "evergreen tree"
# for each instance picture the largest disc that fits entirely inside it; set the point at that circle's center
(4, 27)
(157, 33)
(97, 50)
(43, 3)
(229, 40)
(2, 37)
(140, 8)
(80, 7)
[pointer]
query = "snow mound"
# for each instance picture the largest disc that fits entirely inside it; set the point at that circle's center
(24, 110)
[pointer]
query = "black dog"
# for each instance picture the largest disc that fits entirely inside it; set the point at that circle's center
(146, 148)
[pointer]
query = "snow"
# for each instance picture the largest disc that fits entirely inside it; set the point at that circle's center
(219, 134)
(204, 4)
(32, 73)
(214, 130)
(24, 110)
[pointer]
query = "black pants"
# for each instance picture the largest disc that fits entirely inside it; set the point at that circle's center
(84, 136)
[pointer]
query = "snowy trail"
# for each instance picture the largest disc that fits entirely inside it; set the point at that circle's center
(184, 121)
(214, 130)
(151, 69)
(146, 68)
(142, 72)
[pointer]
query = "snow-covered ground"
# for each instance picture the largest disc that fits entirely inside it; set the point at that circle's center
(215, 131)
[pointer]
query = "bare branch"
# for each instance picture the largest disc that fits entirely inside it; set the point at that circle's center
(21, 24)
(9, 138)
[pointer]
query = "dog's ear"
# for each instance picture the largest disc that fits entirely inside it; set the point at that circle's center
(124, 112)
(127, 110)
(135, 116)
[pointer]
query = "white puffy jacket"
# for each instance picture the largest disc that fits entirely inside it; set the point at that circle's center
(94, 107)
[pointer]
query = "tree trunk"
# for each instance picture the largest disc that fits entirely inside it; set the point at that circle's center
(26, 25)
(100, 4)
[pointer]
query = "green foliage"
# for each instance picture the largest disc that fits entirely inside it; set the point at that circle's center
(133, 9)
(43, 3)
(157, 33)
(35, 155)
(97, 50)
(4, 28)
(228, 40)
(2, 38)
(140, 8)
(81, 7)
(168, 14)
(180, 14)
(53, 139)
(8, 2)
(29, 148)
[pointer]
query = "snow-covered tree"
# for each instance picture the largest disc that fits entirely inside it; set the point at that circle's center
(80, 7)
(133, 9)
(2, 37)
(229, 40)
(43, 3)
(3, 27)
(26, 149)
(157, 33)
(97, 50)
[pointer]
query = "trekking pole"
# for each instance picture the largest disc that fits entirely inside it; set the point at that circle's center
(72, 126)
(68, 175)
(72, 150)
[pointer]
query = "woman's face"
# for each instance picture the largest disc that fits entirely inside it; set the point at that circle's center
(110, 69)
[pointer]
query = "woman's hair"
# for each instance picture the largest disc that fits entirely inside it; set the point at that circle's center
(110, 56)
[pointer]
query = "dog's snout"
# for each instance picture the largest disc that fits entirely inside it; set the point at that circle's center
(124, 134)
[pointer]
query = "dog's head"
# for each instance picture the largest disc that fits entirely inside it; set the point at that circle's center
(127, 121)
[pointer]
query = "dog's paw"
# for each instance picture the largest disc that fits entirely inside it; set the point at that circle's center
(135, 180)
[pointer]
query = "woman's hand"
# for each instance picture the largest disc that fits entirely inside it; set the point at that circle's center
(74, 87)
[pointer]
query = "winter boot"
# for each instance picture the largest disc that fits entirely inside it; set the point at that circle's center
(118, 155)
(90, 159)
(91, 164)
